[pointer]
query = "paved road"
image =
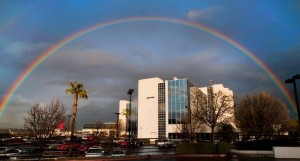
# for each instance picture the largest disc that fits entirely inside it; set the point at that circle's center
(151, 151)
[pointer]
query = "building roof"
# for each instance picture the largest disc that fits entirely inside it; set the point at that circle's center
(105, 125)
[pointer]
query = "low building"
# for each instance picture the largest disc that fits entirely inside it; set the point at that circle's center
(107, 129)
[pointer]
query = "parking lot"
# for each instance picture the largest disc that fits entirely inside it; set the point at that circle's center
(60, 149)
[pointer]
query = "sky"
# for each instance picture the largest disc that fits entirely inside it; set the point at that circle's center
(109, 45)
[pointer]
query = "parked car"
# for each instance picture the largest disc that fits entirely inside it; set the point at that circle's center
(66, 146)
(3, 149)
(124, 143)
(95, 151)
(87, 144)
(55, 146)
(22, 152)
(118, 153)
(164, 143)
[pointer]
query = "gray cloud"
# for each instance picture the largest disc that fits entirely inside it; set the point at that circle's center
(18, 54)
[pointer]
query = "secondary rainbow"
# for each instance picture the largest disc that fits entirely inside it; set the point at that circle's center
(43, 56)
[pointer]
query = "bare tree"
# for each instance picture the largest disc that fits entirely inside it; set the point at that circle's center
(100, 125)
(105, 131)
(189, 127)
(43, 120)
(215, 110)
(118, 127)
(190, 122)
(261, 115)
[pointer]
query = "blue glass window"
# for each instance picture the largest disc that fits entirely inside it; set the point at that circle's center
(178, 100)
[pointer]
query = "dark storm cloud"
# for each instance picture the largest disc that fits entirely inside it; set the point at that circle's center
(284, 62)
(20, 104)
(97, 110)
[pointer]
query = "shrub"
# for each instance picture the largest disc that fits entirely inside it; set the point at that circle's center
(223, 148)
(202, 148)
(266, 144)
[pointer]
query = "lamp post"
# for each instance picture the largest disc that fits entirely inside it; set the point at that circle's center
(117, 113)
(293, 80)
(69, 123)
(130, 91)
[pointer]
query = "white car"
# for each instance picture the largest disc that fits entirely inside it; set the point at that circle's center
(95, 151)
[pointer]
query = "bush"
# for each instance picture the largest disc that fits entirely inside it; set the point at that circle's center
(202, 148)
(146, 141)
(223, 148)
(266, 144)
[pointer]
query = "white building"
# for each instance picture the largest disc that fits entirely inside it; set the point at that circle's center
(162, 105)
(148, 107)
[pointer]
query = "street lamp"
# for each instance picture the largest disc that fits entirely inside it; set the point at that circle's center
(117, 113)
(293, 80)
(69, 123)
(130, 91)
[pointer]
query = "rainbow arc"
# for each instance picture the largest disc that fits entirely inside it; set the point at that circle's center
(50, 51)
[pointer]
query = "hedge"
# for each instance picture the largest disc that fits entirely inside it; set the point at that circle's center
(202, 148)
(266, 144)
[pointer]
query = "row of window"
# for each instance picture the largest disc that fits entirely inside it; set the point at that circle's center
(161, 110)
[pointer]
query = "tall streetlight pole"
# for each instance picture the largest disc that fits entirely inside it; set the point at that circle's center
(117, 113)
(293, 80)
(130, 91)
(69, 123)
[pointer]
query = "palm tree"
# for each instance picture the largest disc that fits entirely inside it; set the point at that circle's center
(126, 112)
(78, 91)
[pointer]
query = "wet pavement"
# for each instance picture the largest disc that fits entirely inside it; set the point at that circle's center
(151, 151)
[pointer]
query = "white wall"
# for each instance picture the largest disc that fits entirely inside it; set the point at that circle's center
(287, 152)
(148, 107)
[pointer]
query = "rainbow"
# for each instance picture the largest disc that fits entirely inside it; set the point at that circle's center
(43, 56)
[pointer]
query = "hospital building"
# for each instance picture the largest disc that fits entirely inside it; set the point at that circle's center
(162, 104)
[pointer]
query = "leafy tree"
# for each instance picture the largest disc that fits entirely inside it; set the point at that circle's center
(226, 133)
(76, 89)
(43, 120)
(261, 114)
(291, 126)
(215, 110)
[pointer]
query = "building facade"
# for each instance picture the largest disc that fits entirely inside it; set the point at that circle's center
(148, 107)
(163, 105)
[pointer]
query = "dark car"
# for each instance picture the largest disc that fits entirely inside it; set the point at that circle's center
(118, 153)
(22, 153)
